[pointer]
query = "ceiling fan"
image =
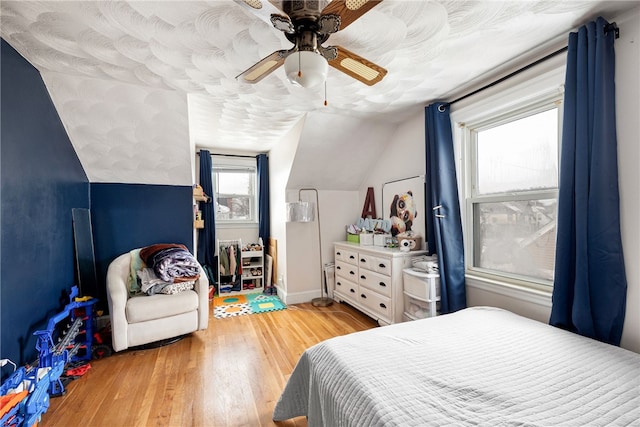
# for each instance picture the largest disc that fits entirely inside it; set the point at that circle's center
(308, 24)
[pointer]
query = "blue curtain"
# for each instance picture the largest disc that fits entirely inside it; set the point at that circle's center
(444, 226)
(264, 220)
(207, 235)
(590, 287)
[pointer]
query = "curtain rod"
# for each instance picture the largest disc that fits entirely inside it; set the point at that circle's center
(228, 155)
(609, 27)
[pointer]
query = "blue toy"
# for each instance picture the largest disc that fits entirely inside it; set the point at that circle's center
(42, 380)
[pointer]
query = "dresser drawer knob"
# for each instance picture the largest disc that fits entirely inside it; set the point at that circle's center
(338, 283)
(382, 266)
(363, 260)
(363, 277)
(353, 291)
(363, 296)
(352, 272)
(338, 267)
(382, 305)
(384, 285)
(352, 257)
(338, 253)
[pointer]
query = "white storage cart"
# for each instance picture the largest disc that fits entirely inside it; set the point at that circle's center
(421, 294)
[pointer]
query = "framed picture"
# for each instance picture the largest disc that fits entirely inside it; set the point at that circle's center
(403, 202)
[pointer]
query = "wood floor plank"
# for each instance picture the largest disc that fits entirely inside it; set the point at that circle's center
(232, 374)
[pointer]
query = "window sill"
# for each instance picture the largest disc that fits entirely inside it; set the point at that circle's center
(510, 288)
(236, 224)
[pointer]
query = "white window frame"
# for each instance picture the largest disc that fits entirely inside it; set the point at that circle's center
(515, 110)
(239, 163)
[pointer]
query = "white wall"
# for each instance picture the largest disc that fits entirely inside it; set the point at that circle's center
(280, 160)
(248, 234)
(403, 157)
(628, 126)
(304, 264)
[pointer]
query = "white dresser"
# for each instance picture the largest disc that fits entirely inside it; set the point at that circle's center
(370, 279)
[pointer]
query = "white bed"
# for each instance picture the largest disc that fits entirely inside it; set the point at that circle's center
(479, 366)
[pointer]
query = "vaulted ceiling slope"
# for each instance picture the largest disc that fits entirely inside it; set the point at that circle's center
(138, 83)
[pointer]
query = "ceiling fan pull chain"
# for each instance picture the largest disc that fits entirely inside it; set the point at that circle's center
(325, 94)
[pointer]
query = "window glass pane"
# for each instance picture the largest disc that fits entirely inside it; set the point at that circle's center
(235, 196)
(519, 155)
(234, 208)
(516, 237)
(235, 182)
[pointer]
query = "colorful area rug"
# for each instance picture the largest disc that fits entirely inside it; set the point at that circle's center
(238, 305)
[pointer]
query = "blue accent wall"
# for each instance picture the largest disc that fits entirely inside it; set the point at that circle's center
(42, 180)
(129, 216)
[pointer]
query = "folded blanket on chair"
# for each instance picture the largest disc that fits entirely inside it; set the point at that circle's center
(152, 284)
(171, 262)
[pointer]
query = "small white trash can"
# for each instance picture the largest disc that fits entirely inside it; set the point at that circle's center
(329, 278)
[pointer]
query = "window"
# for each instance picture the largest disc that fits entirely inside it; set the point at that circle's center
(512, 194)
(235, 183)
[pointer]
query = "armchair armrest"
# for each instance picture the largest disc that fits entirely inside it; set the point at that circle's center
(202, 288)
(117, 295)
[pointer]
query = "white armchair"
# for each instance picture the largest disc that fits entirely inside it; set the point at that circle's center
(145, 319)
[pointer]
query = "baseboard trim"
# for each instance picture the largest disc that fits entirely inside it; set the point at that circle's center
(297, 297)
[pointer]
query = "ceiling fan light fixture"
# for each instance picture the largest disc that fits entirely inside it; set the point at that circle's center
(306, 68)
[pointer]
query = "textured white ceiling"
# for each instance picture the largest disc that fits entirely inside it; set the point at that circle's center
(124, 132)
(136, 81)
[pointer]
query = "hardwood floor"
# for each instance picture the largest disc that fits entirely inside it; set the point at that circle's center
(232, 374)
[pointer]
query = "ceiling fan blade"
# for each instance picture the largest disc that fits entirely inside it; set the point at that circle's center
(265, 10)
(264, 67)
(357, 67)
(349, 10)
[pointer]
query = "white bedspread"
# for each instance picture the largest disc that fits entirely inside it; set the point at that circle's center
(479, 366)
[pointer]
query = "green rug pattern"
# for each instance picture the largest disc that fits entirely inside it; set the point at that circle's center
(238, 305)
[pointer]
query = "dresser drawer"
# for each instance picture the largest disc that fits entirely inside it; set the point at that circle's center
(376, 303)
(377, 282)
(346, 288)
(348, 271)
(346, 255)
(374, 263)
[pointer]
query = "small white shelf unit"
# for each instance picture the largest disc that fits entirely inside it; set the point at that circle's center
(250, 277)
(253, 270)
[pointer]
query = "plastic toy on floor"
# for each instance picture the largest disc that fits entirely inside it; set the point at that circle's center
(25, 394)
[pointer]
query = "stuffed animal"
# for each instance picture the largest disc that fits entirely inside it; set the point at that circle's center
(403, 212)
(405, 245)
(398, 226)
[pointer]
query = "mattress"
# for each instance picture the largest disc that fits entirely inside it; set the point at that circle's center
(479, 366)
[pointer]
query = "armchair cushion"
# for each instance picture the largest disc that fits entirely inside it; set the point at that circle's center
(143, 308)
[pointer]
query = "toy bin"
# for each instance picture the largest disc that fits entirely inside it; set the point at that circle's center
(366, 239)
